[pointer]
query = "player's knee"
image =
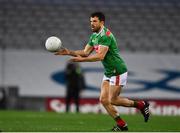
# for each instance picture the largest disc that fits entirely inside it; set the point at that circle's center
(113, 100)
(104, 101)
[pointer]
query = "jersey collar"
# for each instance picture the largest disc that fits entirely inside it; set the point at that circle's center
(97, 34)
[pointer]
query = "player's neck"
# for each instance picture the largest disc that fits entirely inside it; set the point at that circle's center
(100, 30)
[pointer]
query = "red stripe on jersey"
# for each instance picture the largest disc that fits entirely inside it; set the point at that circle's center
(117, 79)
(96, 48)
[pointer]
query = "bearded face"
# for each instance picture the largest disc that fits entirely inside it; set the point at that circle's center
(96, 24)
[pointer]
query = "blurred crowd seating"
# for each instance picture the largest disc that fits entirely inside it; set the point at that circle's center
(139, 25)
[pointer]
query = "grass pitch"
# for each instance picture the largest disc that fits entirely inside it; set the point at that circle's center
(61, 122)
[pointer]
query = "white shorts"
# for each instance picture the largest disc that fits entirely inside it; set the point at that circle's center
(117, 80)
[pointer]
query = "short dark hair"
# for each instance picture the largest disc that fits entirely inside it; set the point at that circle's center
(100, 15)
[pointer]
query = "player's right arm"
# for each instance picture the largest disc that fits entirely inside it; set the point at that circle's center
(84, 53)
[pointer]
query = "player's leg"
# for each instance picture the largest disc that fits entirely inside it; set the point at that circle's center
(76, 99)
(112, 111)
(143, 106)
(105, 101)
(116, 84)
(117, 100)
(68, 99)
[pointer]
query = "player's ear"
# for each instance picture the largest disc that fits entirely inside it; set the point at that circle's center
(102, 22)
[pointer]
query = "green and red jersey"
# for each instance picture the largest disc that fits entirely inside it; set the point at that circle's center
(112, 62)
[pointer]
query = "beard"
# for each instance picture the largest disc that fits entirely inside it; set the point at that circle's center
(95, 29)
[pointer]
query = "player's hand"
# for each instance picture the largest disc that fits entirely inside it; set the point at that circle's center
(78, 58)
(63, 51)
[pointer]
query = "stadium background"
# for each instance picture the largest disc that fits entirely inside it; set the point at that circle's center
(147, 31)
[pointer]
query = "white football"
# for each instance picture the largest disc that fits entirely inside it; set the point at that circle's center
(53, 44)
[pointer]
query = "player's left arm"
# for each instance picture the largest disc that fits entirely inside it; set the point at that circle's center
(94, 57)
(85, 52)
